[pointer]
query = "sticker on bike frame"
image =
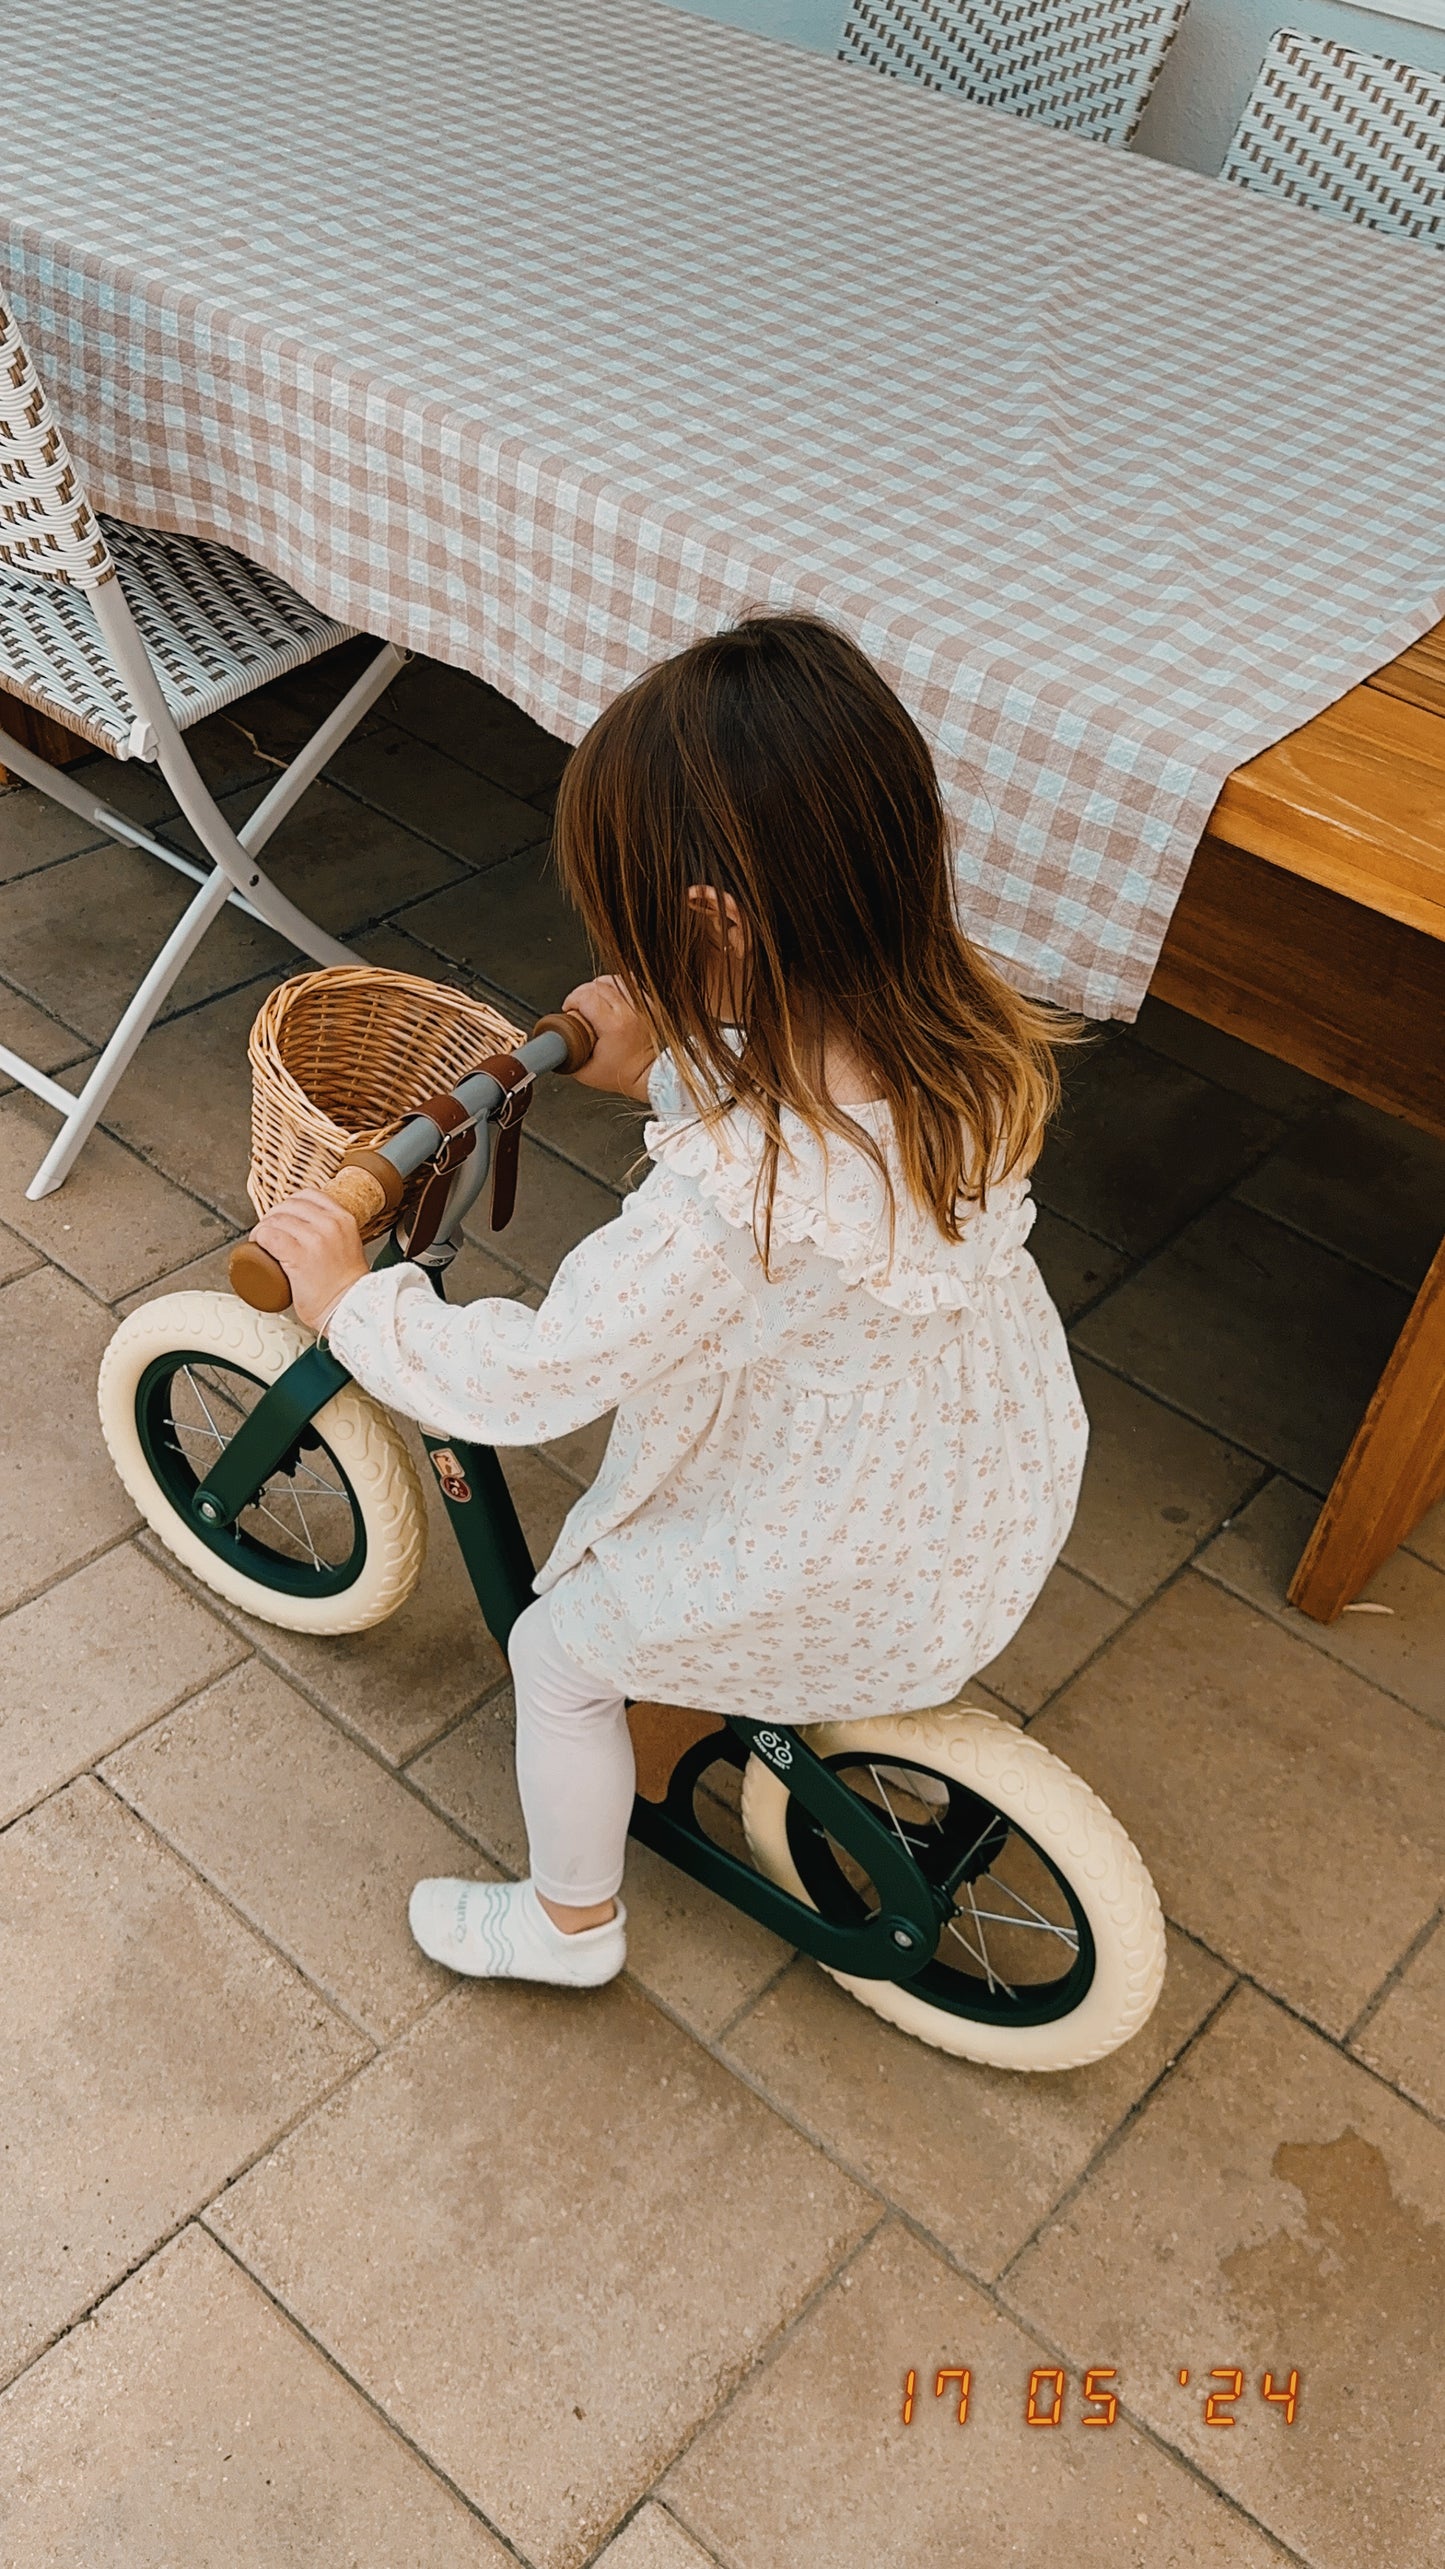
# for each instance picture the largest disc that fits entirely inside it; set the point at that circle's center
(448, 1469)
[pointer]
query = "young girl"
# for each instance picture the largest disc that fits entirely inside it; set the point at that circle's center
(848, 1439)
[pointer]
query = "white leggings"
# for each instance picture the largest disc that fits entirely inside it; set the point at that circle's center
(575, 1769)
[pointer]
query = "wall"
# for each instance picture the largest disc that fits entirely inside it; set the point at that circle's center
(1207, 74)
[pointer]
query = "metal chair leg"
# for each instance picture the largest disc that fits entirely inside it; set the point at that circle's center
(85, 1109)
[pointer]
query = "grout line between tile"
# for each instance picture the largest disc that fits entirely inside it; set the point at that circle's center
(334, 2364)
(1125, 2125)
(1395, 1974)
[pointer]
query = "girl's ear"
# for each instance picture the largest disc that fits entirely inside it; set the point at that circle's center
(723, 919)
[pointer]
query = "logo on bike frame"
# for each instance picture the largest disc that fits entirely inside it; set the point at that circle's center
(775, 1748)
(448, 1469)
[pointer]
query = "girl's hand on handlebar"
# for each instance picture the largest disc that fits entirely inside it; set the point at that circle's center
(625, 1049)
(320, 1248)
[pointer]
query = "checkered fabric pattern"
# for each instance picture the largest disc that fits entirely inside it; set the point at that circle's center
(1346, 133)
(546, 339)
(1086, 68)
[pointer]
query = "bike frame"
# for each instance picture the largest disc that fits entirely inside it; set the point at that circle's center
(900, 1937)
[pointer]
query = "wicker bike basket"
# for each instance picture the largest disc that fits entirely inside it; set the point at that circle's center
(345, 1056)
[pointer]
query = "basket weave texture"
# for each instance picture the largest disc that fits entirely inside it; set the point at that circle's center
(345, 1056)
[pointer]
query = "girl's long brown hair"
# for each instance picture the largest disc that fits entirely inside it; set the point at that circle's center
(775, 764)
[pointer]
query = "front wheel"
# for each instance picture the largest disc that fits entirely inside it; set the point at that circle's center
(1050, 1949)
(336, 1538)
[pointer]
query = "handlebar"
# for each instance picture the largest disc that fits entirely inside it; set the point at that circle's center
(369, 1184)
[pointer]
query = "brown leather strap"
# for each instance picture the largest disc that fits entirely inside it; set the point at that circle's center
(446, 1113)
(519, 1083)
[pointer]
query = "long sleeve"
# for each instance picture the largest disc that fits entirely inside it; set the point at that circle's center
(653, 1294)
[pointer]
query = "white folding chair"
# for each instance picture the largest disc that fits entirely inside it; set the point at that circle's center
(1086, 66)
(127, 638)
(1345, 133)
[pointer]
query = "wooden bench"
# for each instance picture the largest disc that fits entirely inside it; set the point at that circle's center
(1312, 923)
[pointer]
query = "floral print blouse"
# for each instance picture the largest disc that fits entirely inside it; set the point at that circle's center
(830, 1490)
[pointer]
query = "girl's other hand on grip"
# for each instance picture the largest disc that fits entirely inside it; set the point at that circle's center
(625, 1049)
(320, 1248)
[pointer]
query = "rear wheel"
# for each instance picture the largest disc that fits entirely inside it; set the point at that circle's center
(336, 1538)
(1050, 1949)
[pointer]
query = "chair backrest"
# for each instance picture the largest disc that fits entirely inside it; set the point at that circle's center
(1085, 65)
(46, 522)
(1346, 133)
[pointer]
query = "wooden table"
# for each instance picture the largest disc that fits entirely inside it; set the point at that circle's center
(1312, 923)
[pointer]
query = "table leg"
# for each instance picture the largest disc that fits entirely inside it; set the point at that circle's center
(36, 732)
(1394, 1470)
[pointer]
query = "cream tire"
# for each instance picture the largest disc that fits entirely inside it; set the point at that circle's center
(361, 1437)
(1048, 1803)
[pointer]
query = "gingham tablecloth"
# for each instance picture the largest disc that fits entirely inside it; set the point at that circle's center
(544, 335)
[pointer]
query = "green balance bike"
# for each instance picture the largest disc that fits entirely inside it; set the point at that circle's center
(942, 1866)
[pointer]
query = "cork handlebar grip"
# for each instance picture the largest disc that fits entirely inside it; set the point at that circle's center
(576, 1033)
(361, 1190)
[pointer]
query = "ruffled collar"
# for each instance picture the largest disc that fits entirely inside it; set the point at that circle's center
(830, 1198)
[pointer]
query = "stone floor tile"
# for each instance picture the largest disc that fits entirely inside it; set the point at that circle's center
(1361, 1182)
(189, 2426)
(1154, 1486)
(199, 1058)
(39, 1039)
(60, 1501)
(341, 862)
(1066, 1625)
(1405, 2038)
(476, 1274)
(303, 1832)
(91, 1662)
(1242, 1067)
(210, 1274)
(1140, 1145)
(16, 1256)
(78, 940)
(556, 1207)
(1428, 1540)
(811, 2463)
(115, 1224)
(1274, 2208)
(977, 2156)
(400, 1684)
(1075, 1266)
(462, 811)
(473, 724)
(35, 832)
(470, 1777)
(701, 1957)
(1402, 1650)
(1270, 1340)
(1293, 1818)
(654, 2540)
(514, 930)
(545, 2294)
(151, 2046)
(281, 718)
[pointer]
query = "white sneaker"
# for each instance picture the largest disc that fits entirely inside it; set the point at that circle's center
(500, 1931)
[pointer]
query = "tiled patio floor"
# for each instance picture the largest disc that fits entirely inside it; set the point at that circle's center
(311, 2256)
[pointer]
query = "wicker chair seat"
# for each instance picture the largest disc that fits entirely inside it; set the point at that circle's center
(214, 625)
